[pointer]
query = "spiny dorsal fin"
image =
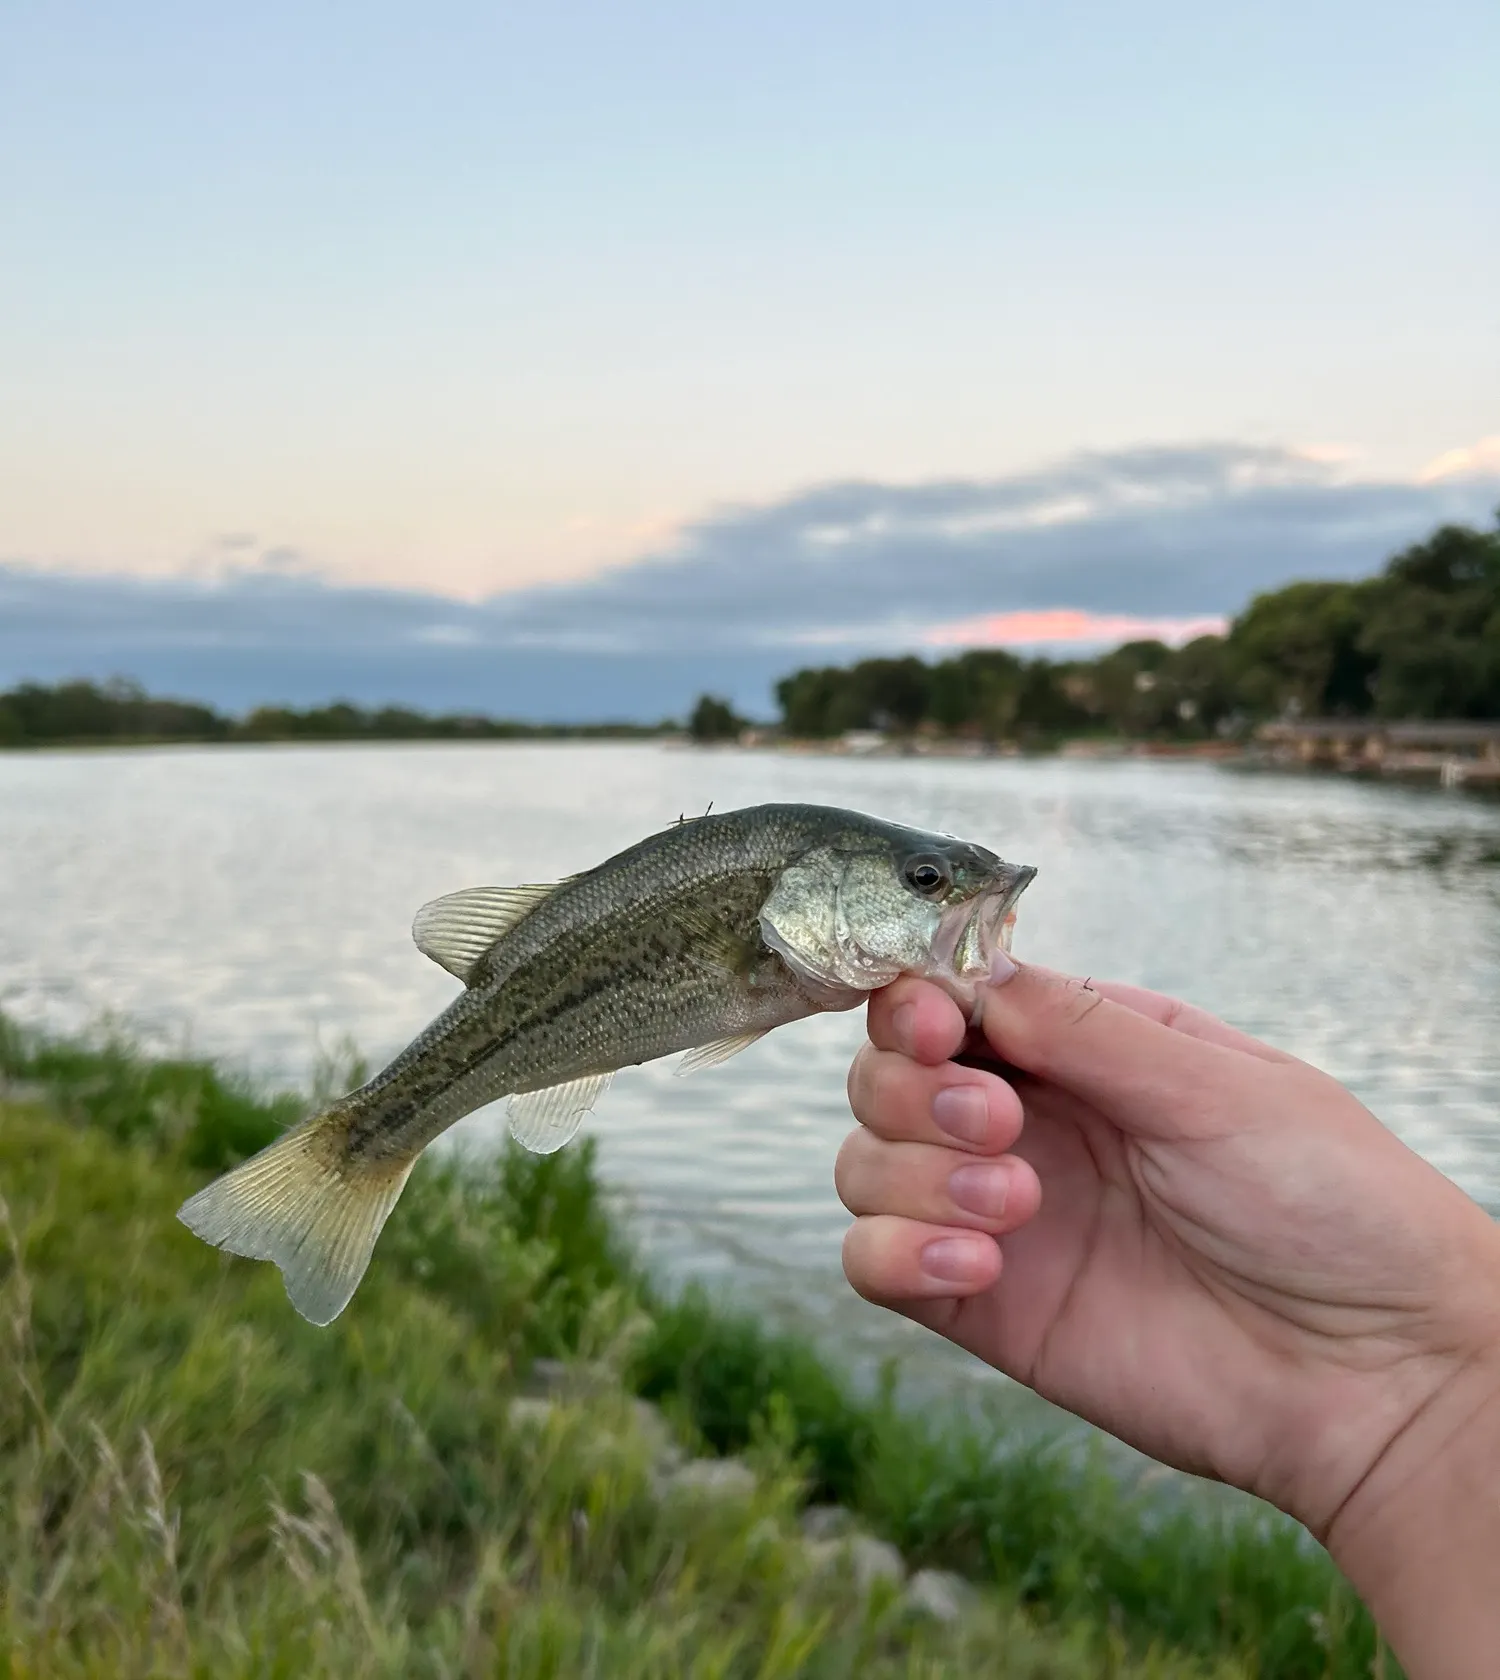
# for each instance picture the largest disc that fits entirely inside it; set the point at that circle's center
(719, 1050)
(543, 1121)
(682, 818)
(456, 930)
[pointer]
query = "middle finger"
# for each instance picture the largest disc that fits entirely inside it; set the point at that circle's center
(960, 1107)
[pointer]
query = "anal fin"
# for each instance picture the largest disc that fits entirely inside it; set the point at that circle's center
(543, 1121)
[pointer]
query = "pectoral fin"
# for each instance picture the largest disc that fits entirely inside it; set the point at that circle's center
(719, 1050)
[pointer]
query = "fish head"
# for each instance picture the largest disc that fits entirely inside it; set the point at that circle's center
(881, 901)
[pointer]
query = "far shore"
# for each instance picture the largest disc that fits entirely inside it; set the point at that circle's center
(1470, 761)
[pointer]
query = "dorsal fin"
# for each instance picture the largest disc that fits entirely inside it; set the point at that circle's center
(457, 930)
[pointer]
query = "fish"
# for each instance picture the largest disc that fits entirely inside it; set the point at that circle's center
(701, 938)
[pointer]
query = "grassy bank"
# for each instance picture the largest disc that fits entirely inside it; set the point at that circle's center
(193, 1480)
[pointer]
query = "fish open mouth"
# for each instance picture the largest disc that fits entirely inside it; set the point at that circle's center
(970, 933)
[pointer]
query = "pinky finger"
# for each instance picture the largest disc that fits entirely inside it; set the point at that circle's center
(892, 1261)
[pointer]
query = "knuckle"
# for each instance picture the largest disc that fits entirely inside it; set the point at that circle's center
(1063, 1007)
(874, 1084)
(855, 1084)
(856, 1260)
(881, 1086)
(1075, 1002)
(1180, 1016)
(881, 1006)
(841, 1170)
(851, 1170)
(864, 1083)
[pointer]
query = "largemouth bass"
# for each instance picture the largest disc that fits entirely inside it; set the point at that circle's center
(701, 938)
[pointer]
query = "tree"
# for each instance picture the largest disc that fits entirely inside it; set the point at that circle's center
(1130, 690)
(810, 701)
(714, 719)
(976, 694)
(1204, 680)
(885, 694)
(1298, 650)
(1044, 703)
(1432, 627)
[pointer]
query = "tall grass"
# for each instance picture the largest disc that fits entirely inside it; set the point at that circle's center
(176, 1445)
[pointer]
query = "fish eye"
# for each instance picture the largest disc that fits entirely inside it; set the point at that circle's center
(926, 876)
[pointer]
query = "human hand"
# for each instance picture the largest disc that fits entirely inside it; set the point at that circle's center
(1208, 1248)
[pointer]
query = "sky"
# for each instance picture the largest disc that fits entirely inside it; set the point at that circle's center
(642, 344)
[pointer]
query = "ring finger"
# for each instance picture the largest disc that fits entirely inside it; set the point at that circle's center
(935, 1185)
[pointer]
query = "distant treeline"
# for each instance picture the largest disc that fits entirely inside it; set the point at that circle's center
(1420, 640)
(81, 712)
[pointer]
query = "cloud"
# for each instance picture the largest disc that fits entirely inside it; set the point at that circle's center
(1478, 460)
(1104, 546)
(1175, 533)
(238, 554)
(1067, 627)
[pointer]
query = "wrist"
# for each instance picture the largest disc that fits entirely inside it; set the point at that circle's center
(1419, 1538)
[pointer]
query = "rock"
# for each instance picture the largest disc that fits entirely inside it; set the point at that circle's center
(655, 1431)
(765, 1534)
(23, 1091)
(561, 1377)
(826, 1522)
(875, 1560)
(867, 1559)
(938, 1594)
(527, 1411)
(547, 1376)
(711, 1478)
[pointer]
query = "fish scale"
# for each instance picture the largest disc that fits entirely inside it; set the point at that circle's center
(702, 938)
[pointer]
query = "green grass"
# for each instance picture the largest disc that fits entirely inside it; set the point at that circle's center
(193, 1480)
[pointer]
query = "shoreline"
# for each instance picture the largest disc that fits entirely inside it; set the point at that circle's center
(1448, 771)
(524, 1266)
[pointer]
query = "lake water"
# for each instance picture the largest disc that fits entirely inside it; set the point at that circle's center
(254, 903)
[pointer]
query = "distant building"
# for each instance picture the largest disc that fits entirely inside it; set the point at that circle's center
(862, 740)
(1454, 750)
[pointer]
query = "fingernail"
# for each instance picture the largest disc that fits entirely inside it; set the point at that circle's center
(1001, 969)
(957, 1259)
(962, 1112)
(904, 1026)
(981, 1187)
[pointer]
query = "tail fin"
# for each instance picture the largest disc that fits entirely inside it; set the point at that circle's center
(305, 1204)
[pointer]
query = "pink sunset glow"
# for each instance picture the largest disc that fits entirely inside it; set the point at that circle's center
(1068, 626)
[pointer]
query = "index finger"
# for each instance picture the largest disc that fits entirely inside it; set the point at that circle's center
(1174, 1013)
(916, 1019)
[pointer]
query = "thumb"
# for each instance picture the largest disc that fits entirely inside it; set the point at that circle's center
(1144, 1075)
